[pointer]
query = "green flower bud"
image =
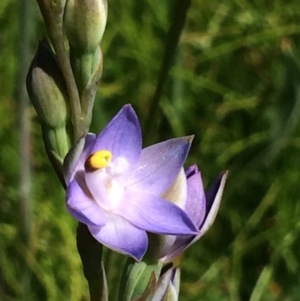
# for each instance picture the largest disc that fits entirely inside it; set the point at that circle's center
(84, 23)
(46, 88)
(56, 140)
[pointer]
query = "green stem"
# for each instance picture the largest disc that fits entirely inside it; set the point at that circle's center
(90, 252)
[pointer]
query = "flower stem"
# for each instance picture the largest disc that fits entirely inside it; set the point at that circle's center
(90, 252)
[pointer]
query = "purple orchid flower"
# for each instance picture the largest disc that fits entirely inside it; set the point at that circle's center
(201, 207)
(116, 188)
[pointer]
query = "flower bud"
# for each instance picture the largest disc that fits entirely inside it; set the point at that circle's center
(56, 140)
(172, 291)
(163, 288)
(167, 288)
(46, 88)
(84, 23)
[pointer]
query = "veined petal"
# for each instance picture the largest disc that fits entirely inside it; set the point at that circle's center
(122, 136)
(159, 166)
(121, 236)
(82, 207)
(154, 214)
(196, 202)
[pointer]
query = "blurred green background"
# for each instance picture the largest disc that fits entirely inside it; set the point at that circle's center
(234, 83)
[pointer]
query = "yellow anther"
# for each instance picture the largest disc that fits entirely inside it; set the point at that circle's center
(99, 159)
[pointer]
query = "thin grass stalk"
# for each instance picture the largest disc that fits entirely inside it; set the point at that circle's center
(177, 24)
(25, 181)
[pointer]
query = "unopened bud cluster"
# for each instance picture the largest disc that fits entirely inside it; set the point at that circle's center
(83, 23)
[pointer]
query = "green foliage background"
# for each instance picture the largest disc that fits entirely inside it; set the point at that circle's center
(235, 85)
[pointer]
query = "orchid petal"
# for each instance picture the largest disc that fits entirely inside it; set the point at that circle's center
(95, 182)
(195, 206)
(213, 200)
(181, 243)
(159, 166)
(122, 136)
(121, 236)
(155, 214)
(160, 245)
(213, 197)
(82, 207)
(177, 193)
